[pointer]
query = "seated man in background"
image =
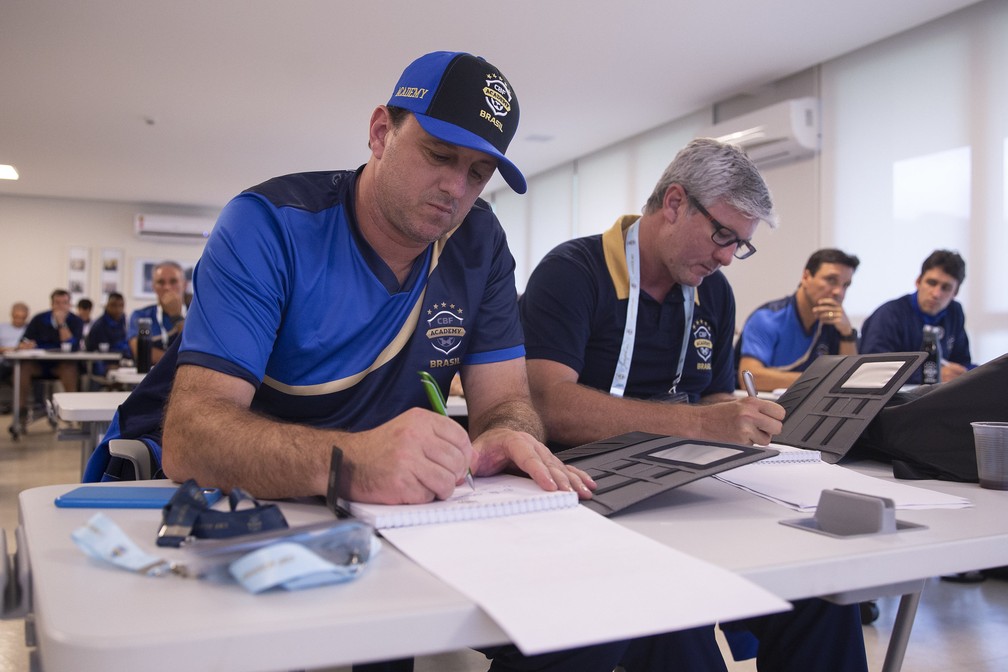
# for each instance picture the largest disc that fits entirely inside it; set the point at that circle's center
(84, 309)
(109, 331)
(10, 336)
(782, 337)
(898, 325)
(620, 326)
(50, 331)
(11, 332)
(167, 315)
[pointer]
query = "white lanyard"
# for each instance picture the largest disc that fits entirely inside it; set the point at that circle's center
(290, 565)
(160, 317)
(626, 349)
(159, 314)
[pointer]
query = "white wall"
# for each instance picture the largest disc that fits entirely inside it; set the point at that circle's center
(878, 189)
(37, 234)
(914, 158)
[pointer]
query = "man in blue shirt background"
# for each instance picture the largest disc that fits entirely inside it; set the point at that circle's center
(110, 330)
(898, 325)
(51, 330)
(782, 337)
(167, 316)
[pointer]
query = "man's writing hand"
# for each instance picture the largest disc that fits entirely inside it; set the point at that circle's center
(747, 421)
(415, 457)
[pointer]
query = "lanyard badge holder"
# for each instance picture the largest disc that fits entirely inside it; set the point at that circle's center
(622, 373)
(188, 514)
(252, 546)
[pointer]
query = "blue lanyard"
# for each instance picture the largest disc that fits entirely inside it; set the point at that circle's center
(622, 372)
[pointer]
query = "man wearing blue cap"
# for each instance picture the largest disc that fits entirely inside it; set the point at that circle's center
(320, 296)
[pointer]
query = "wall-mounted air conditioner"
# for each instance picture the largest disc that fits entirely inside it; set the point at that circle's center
(782, 132)
(172, 228)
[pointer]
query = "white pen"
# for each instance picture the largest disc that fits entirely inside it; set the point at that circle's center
(750, 384)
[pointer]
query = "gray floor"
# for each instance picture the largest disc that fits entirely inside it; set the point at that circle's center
(958, 627)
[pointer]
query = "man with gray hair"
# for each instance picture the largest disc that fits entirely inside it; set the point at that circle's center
(632, 330)
(167, 315)
(619, 324)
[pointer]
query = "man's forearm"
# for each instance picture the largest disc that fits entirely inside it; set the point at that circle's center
(575, 414)
(515, 414)
(220, 444)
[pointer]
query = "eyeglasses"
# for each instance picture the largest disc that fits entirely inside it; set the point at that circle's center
(723, 236)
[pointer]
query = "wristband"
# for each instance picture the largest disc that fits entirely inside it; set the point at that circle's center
(849, 338)
(332, 492)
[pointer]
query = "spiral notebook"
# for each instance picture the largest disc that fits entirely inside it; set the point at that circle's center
(791, 455)
(494, 496)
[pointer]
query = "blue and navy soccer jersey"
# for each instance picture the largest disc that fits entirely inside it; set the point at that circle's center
(291, 298)
(898, 326)
(774, 335)
(574, 313)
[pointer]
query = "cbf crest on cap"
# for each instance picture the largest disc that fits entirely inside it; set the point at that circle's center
(463, 99)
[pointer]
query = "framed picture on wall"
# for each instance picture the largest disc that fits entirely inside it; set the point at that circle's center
(111, 272)
(77, 273)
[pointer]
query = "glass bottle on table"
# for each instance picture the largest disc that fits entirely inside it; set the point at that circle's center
(143, 358)
(932, 346)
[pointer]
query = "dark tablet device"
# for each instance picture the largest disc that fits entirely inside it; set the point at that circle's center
(836, 397)
(631, 467)
(124, 497)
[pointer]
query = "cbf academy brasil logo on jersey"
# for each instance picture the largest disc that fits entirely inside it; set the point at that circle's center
(703, 342)
(444, 327)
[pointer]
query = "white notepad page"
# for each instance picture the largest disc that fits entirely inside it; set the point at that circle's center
(796, 478)
(566, 578)
(494, 496)
(790, 454)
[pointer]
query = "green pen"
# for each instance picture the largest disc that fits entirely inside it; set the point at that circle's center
(437, 402)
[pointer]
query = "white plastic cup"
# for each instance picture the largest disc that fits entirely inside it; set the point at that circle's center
(991, 440)
(66, 347)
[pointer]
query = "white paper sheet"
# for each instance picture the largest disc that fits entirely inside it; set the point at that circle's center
(560, 579)
(798, 486)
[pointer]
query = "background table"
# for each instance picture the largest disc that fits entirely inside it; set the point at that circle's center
(128, 377)
(88, 617)
(18, 356)
(93, 410)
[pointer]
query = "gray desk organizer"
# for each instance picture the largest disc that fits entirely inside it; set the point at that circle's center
(842, 513)
(836, 397)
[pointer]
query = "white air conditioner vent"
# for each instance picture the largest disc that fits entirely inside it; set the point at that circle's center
(782, 132)
(172, 228)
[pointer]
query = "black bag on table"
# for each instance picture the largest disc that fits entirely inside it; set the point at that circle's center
(926, 432)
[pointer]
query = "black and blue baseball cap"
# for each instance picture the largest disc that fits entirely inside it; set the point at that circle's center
(464, 100)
